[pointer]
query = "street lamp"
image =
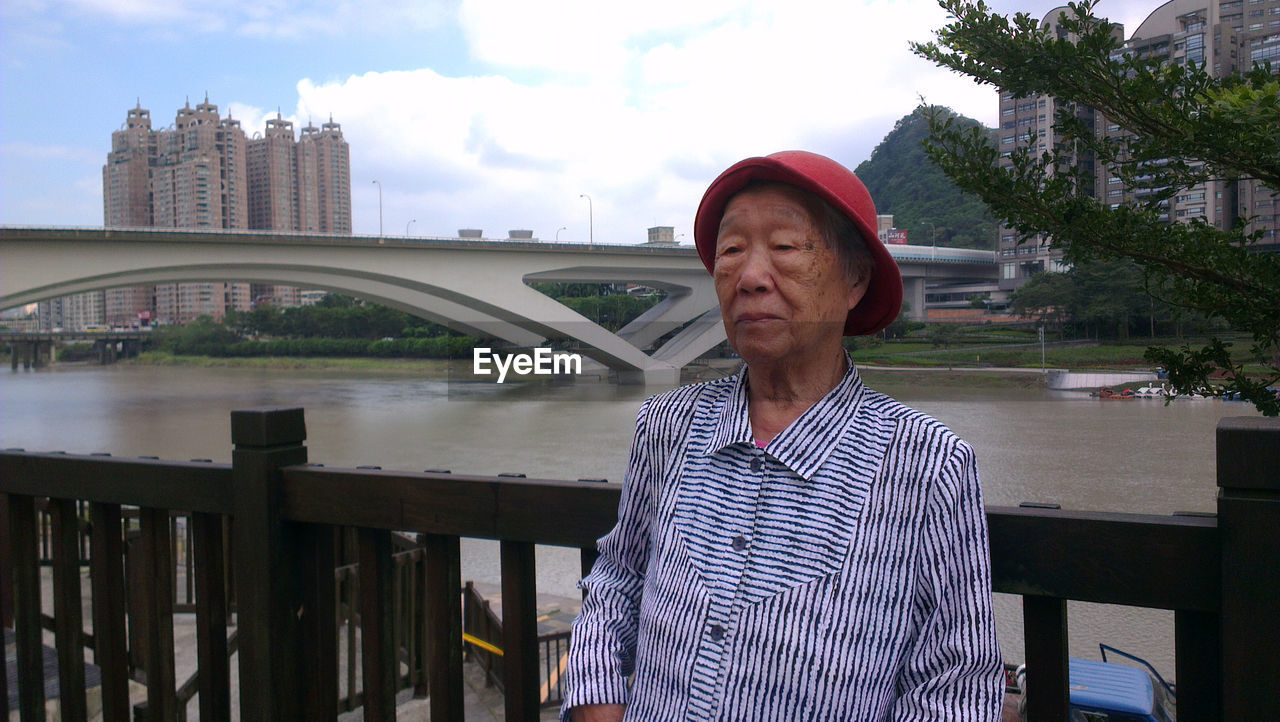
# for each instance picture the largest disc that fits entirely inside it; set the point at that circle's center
(591, 222)
(561, 228)
(933, 231)
(933, 257)
(379, 184)
(406, 227)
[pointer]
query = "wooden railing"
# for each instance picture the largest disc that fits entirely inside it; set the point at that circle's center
(1221, 576)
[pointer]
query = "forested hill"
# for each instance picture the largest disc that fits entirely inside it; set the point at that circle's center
(905, 183)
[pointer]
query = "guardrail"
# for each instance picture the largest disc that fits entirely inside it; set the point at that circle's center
(1221, 576)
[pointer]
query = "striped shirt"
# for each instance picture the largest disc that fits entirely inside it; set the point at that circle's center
(839, 573)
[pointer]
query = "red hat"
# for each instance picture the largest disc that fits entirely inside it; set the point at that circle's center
(836, 185)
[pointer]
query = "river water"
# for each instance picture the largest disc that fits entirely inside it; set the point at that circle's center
(1033, 445)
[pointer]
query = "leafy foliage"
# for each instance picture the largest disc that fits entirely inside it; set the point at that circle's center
(344, 326)
(1102, 299)
(904, 183)
(1185, 127)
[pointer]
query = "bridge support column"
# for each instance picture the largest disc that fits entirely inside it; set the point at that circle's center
(24, 352)
(663, 376)
(913, 294)
(106, 351)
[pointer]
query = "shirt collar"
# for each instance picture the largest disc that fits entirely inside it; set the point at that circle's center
(805, 444)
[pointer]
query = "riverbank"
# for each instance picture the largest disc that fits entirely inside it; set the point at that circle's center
(440, 367)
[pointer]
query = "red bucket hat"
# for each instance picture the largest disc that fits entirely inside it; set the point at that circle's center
(836, 185)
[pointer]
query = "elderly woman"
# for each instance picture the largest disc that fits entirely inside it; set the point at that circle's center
(790, 544)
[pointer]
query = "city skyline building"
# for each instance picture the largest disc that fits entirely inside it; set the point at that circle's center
(1226, 37)
(204, 171)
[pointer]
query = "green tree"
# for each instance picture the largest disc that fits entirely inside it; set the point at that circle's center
(1184, 126)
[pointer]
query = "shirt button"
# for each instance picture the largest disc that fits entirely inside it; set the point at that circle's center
(756, 464)
(739, 543)
(717, 632)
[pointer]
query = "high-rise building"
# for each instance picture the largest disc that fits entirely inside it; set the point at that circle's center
(1226, 37)
(204, 172)
(302, 185)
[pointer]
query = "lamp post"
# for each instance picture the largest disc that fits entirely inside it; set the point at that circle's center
(591, 222)
(379, 184)
(933, 257)
(933, 232)
(561, 228)
(406, 227)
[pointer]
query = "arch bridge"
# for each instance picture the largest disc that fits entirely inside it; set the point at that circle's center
(478, 287)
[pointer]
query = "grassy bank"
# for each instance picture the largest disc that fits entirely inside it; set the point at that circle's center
(408, 366)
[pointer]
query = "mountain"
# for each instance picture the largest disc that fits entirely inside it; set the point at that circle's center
(905, 183)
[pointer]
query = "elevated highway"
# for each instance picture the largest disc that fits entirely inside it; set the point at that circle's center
(476, 286)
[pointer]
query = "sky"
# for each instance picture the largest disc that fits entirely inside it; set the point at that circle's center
(490, 114)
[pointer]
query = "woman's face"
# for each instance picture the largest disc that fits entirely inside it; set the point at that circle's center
(783, 290)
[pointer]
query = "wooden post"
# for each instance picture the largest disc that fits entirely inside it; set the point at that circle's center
(268, 586)
(1248, 516)
(319, 632)
(67, 615)
(26, 607)
(157, 606)
(6, 590)
(211, 616)
(106, 577)
(1045, 621)
(378, 659)
(444, 626)
(520, 631)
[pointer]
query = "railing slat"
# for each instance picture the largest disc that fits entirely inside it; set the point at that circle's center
(26, 606)
(6, 590)
(68, 618)
(377, 645)
(106, 580)
(350, 598)
(157, 603)
(520, 631)
(206, 563)
(319, 625)
(1197, 646)
(444, 625)
(1045, 635)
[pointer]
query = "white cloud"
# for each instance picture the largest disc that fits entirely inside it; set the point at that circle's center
(637, 105)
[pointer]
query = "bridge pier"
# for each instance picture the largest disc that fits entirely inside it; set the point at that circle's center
(667, 376)
(106, 351)
(913, 294)
(31, 354)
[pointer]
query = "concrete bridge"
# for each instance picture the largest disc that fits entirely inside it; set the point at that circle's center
(36, 348)
(475, 286)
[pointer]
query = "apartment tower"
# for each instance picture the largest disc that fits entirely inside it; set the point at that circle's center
(1226, 38)
(203, 172)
